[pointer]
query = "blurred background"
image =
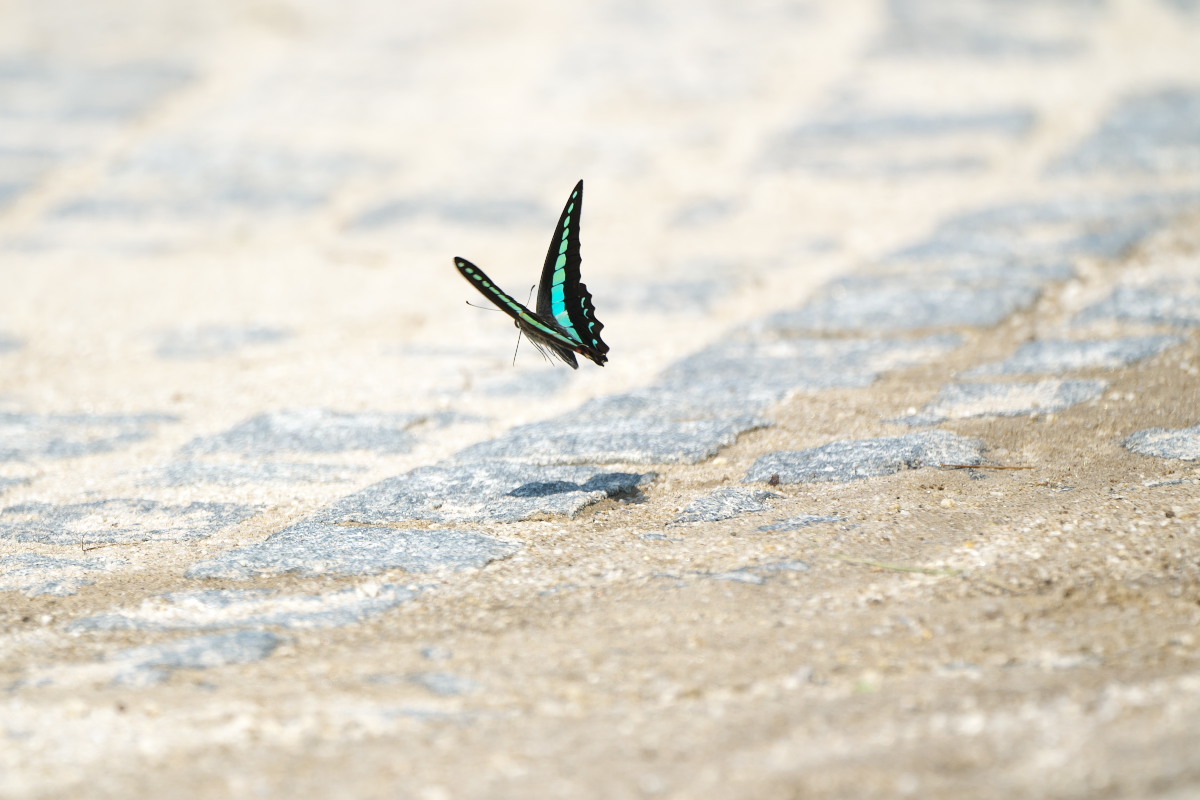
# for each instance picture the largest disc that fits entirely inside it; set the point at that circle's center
(204, 201)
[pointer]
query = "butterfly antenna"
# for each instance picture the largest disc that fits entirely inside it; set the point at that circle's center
(519, 331)
(518, 347)
(481, 308)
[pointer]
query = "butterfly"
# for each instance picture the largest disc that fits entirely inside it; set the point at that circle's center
(565, 322)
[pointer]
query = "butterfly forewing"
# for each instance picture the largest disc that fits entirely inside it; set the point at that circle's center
(561, 295)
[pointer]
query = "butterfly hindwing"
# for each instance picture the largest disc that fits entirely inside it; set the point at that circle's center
(561, 295)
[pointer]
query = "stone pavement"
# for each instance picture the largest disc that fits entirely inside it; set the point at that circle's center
(889, 487)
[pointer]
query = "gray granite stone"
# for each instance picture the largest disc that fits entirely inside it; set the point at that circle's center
(118, 521)
(35, 574)
(152, 664)
(251, 473)
(218, 609)
(895, 144)
(26, 437)
(1164, 303)
(482, 491)
(1094, 210)
(537, 383)
(579, 440)
(758, 574)
(796, 523)
(737, 576)
(784, 565)
(892, 305)
(1148, 132)
(185, 181)
(316, 430)
(682, 296)
(704, 402)
(934, 28)
(766, 363)
(211, 341)
(966, 400)
(845, 461)
(1180, 443)
(957, 268)
(78, 93)
(8, 483)
(148, 665)
(316, 548)
(23, 164)
(1057, 355)
(853, 164)
(875, 128)
(446, 684)
(1092, 224)
(725, 503)
(473, 211)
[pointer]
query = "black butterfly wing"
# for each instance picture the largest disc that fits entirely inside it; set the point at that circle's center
(561, 295)
(538, 331)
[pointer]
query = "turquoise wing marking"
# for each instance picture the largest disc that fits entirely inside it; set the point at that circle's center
(565, 322)
(561, 295)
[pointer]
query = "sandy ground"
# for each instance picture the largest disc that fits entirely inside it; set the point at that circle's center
(1024, 629)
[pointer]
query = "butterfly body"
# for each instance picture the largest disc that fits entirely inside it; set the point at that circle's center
(565, 322)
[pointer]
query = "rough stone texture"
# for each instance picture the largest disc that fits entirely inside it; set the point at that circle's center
(216, 609)
(671, 297)
(25, 437)
(192, 473)
(315, 548)
(313, 167)
(929, 28)
(759, 369)
(315, 430)
(148, 665)
(118, 520)
(446, 684)
(212, 341)
(141, 666)
(35, 574)
(726, 503)
(895, 144)
(1059, 355)
(906, 306)
(191, 180)
(472, 211)
(955, 267)
(42, 90)
(580, 439)
(1182, 443)
(60, 110)
(1147, 132)
(1096, 225)
(1165, 303)
(541, 383)
(758, 574)
(484, 491)
(8, 483)
(867, 458)
(796, 523)
(965, 400)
